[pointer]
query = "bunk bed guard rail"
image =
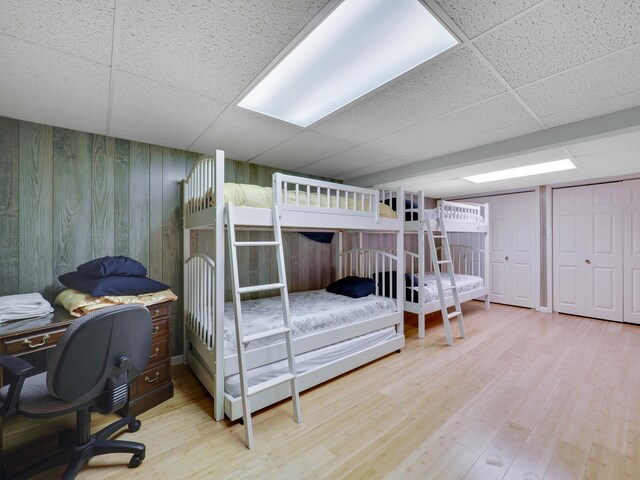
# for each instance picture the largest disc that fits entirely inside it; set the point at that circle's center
(463, 212)
(311, 195)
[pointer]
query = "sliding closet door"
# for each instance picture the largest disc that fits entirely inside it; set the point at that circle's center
(631, 241)
(587, 251)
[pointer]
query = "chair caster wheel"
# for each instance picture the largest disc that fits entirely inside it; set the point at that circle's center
(134, 426)
(135, 462)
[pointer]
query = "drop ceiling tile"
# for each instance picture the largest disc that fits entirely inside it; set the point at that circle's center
(601, 80)
(305, 148)
(596, 109)
(484, 139)
(349, 160)
(388, 164)
(477, 16)
(149, 112)
(481, 118)
(243, 134)
(442, 86)
(613, 143)
(83, 29)
(52, 88)
(613, 162)
(214, 48)
(559, 35)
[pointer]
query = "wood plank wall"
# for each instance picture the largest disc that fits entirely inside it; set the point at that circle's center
(67, 197)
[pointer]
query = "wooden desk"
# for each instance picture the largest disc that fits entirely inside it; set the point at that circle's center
(151, 388)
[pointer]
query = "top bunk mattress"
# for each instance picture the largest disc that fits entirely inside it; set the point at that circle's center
(310, 311)
(245, 195)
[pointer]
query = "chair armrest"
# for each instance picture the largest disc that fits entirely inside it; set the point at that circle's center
(19, 368)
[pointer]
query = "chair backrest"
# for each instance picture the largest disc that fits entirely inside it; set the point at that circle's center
(89, 355)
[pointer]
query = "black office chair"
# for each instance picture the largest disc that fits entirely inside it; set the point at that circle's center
(90, 369)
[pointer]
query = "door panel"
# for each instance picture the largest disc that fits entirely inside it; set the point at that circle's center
(631, 246)
(568, 299)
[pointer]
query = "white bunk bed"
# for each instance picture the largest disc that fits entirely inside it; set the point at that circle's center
(470, 260)
(324, 348)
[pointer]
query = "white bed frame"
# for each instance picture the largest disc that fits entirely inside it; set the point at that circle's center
(204, 278)
(467, 260)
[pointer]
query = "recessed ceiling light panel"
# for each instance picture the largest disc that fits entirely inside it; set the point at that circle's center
(361, 45)
(525, 171)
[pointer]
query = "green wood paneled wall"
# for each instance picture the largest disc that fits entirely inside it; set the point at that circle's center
(67, 197)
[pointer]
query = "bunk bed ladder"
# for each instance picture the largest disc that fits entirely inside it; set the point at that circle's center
(447, 260)
(242, 340)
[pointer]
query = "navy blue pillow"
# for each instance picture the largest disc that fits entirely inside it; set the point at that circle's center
(354, 287)
(322, 237)
(107, 266)
(411, 280)
(112, 285)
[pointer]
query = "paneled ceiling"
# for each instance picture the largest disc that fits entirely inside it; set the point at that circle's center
(171, 72)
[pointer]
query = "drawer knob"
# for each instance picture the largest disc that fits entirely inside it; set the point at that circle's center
(155, 354)
(27, 341)
(155, 313)
(151, 380)
(155, 330)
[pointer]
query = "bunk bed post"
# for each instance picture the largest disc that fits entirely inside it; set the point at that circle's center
(186, 253)
(218, 374)
(339, 256)
(487, 271)
(421, 263)
(400, 287)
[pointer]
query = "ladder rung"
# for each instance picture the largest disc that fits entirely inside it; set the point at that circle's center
(257, 244)
(440, 262)
(439, 236)
(453, 314)
(261, 288)
(272, 382)
(265, 334)
(450, 287)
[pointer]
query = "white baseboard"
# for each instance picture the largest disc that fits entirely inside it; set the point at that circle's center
(177, 360)
(544, 310)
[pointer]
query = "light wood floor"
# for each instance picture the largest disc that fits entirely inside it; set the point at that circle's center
(526, 396)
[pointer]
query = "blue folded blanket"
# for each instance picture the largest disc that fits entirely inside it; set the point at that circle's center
(111, 285)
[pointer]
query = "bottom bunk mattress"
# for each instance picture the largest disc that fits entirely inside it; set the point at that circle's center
(311, 360)
(465, 283)
(310, 311)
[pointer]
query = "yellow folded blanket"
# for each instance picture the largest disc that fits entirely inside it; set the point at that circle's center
(80, 303)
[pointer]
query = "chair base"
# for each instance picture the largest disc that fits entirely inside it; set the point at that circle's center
(78, 454)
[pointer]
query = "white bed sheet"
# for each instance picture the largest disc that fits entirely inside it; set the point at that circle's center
(465, 283)
(311, 311)
(310, 360)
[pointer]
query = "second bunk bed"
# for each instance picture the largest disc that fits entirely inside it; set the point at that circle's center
(332, 333)
(458, 249)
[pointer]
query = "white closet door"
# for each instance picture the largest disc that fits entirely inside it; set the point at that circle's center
(568, 251)
(522, 279)
(587, 251)
(499, 240)
(631, 241)
(512, 256)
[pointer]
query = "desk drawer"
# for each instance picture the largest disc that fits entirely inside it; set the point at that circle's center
(160, 329)
(33, 342)
(157, 311)
(153, 377)
(159, 352)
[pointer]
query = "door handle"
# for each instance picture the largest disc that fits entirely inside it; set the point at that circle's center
(588, 262)
(506, 258)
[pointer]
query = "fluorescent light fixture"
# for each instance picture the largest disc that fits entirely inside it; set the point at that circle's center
(525, 171)
(361, 45)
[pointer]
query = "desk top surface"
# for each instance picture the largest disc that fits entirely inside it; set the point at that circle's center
(59, 318)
